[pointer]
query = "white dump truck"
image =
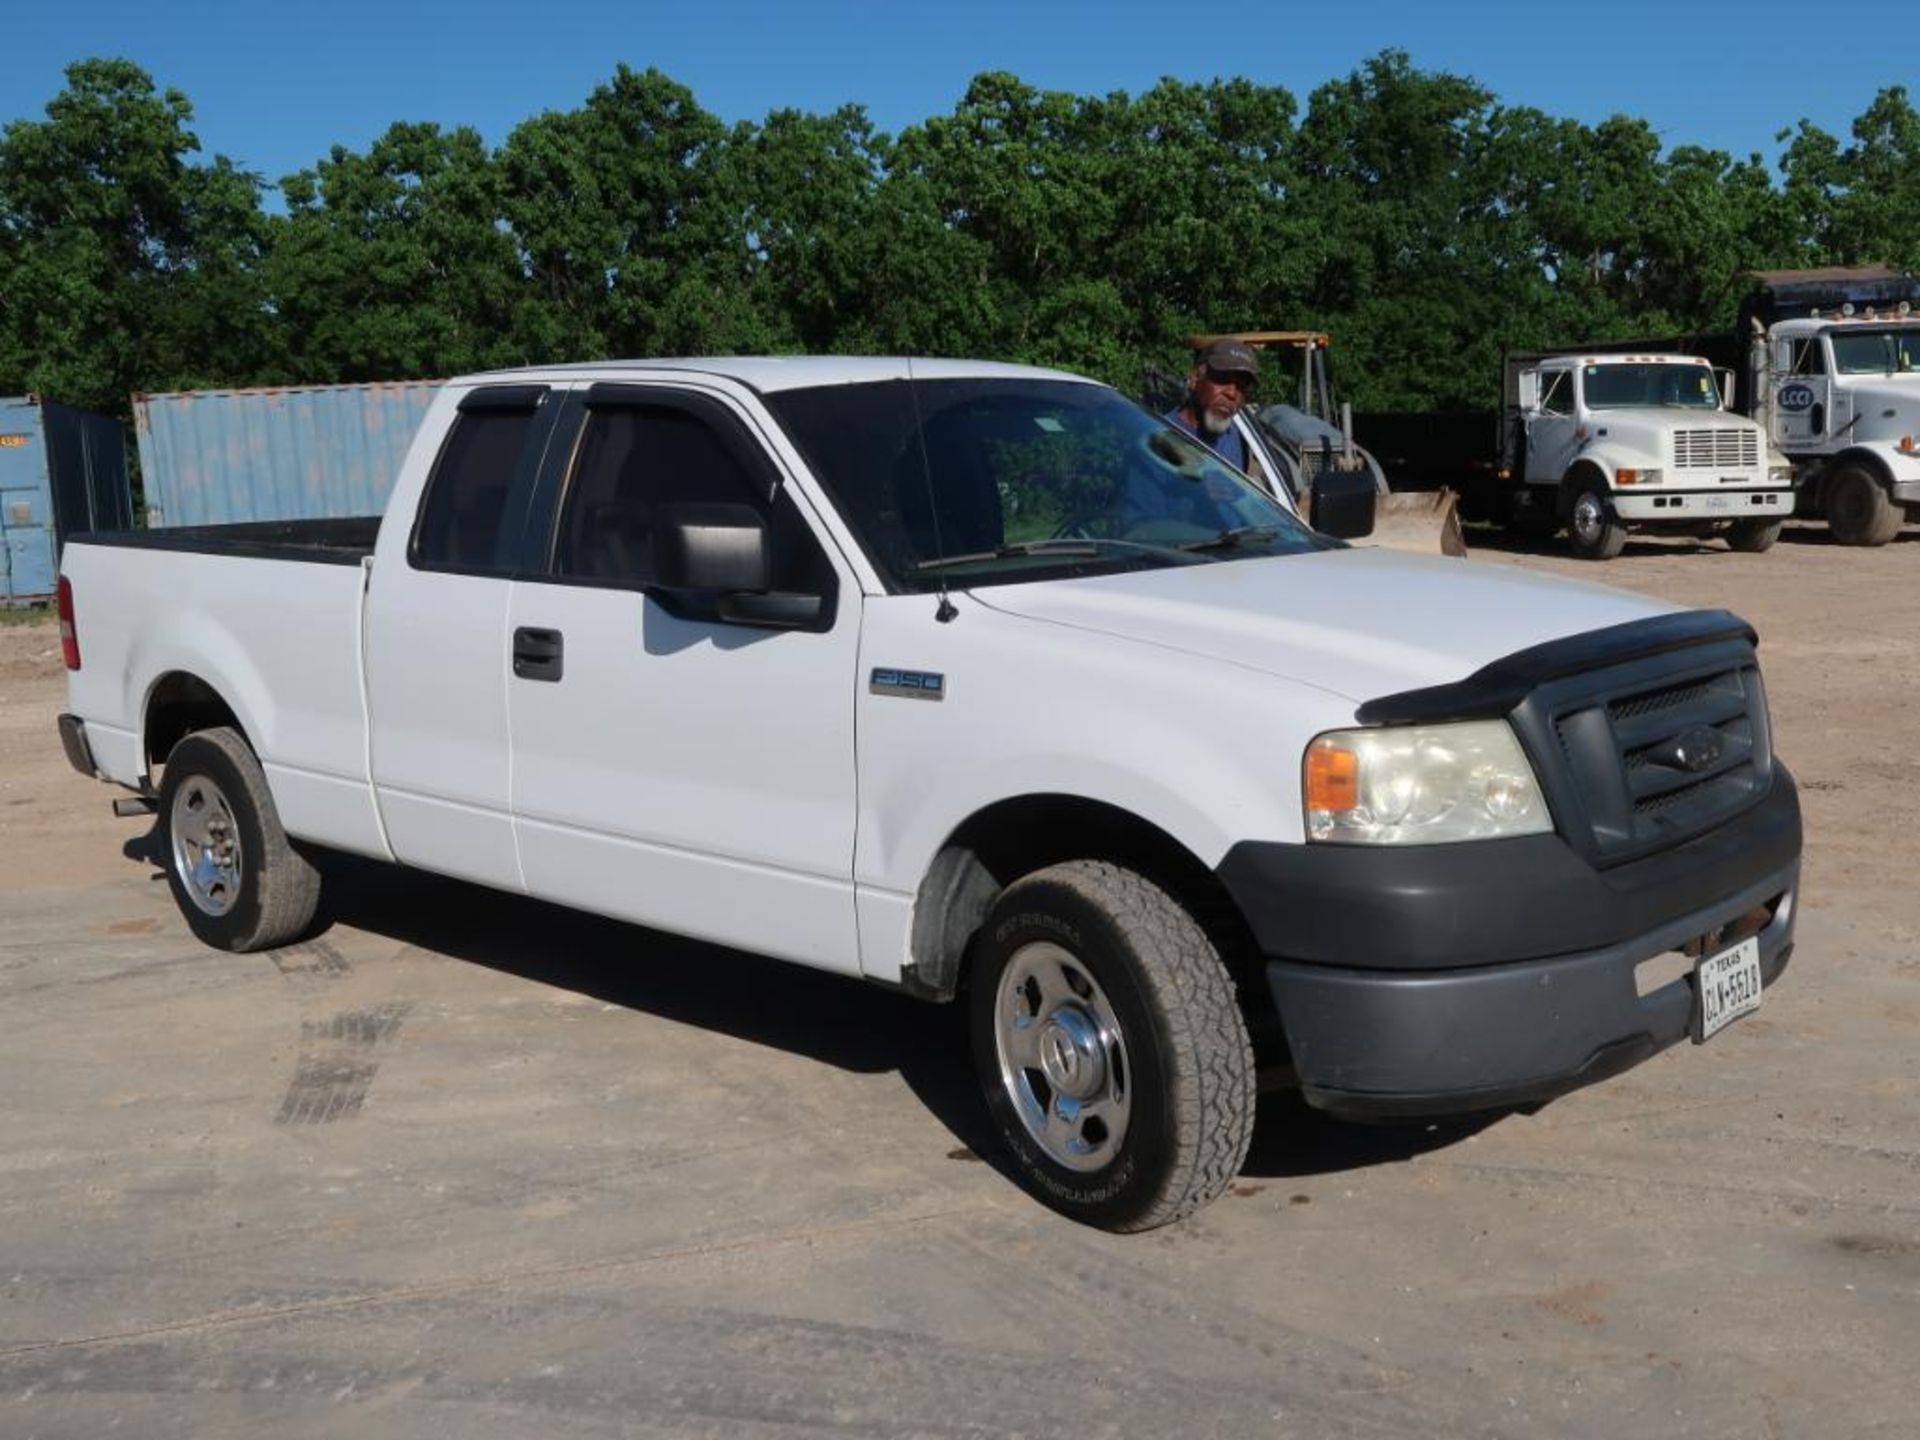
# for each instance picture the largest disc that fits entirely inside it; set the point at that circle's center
(1600, 444)
(1833, 373)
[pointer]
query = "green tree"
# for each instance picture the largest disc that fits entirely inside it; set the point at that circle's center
(397, 263)
(1856, 205)
(123, 266)
(626, 236)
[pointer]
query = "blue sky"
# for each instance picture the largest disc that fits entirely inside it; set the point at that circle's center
(275, 84)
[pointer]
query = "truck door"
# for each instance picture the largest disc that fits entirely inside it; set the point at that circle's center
(436, 641)
(1551, 430)
(1802, 410)
(669, 767)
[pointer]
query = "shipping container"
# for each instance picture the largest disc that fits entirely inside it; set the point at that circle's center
(63, 472)
(210, 457)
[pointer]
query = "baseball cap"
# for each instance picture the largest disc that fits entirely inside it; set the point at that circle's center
(1228, 355)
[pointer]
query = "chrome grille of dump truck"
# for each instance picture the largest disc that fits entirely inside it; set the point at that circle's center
(1659, 759)
(1720, 448)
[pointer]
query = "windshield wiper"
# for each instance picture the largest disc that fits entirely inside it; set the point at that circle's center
(1009, 552)
(1075, 548)
(1235, 538)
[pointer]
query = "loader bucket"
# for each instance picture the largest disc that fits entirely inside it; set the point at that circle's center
(1424, 520)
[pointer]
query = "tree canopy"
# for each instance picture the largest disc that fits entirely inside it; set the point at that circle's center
(1408, 212)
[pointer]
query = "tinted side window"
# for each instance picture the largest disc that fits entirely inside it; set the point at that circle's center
(633, 459)
(1557, 397)
(463, 519)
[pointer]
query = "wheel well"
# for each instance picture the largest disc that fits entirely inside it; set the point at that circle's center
(1865, 460)
(1578, 474)
(178, 705)
(1017, 837)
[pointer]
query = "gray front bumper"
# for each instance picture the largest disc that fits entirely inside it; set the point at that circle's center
(1373, 1043)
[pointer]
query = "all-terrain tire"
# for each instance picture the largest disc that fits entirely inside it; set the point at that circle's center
(1093, 954)
(234, 874)
(1859, 510)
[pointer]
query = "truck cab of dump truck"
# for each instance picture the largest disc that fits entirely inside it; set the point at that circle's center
(1608, 443)
(1842, 402)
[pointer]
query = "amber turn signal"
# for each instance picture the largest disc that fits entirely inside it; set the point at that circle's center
(1333, 777)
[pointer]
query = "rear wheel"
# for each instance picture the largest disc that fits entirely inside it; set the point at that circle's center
(1593, 530)
(1111, 1047)
(1859, 510)
(1750, 537)
(234, 874)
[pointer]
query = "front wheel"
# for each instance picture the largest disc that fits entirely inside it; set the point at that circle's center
(1593, 530)
(1751, 537)
(1111, 1047)
(235, 876)
(1859, 510)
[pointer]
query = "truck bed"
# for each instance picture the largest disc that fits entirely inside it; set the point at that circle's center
(345, 541)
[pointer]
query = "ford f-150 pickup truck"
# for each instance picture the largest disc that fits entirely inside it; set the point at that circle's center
(980, 682)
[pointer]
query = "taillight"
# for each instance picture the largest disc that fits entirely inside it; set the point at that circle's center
(69, 637)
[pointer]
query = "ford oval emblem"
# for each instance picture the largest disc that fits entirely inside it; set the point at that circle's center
(1697, 749)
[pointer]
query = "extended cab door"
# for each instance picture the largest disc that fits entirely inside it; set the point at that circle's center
(437, 639)
(669, 767)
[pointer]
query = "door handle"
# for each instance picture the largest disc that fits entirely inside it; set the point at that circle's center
(538, 654)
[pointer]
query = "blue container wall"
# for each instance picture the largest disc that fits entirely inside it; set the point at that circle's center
(210, 457)
(26, 505)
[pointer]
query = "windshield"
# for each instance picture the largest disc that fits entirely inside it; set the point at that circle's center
(1877, 352)
(987, 482)
(1614, 387)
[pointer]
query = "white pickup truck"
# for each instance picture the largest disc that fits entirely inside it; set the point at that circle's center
(1605, 443)
(976, 681)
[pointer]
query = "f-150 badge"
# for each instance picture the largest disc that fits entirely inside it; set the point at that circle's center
(913, 684)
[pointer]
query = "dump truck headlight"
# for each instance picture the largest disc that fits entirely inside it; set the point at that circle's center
(1422, 785)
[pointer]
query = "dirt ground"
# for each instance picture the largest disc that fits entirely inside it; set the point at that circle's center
(469, 1165)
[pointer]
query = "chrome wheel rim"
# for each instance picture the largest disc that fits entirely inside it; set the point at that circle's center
(206, 846)
(1589, 517)
(1063, 1057)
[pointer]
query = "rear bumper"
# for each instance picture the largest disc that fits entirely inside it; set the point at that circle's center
(1478, 976)
(73, 739)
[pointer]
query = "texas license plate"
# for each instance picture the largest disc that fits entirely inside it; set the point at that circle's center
(1719, 502)
(1728, 986)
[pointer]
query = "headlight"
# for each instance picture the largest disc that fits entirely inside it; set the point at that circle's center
(1627, 475)
(1780, 474)
(1422, 785)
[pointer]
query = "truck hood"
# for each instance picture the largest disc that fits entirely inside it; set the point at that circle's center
(1359, 623)
(1872, 400)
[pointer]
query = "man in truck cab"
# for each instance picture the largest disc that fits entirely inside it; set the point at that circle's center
(1221, 380)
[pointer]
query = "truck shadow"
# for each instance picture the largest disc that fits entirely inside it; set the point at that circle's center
(831, 1019)
(1495, 540)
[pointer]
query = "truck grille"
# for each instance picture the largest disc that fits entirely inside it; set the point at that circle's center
(1716, 449)
(1651, 754)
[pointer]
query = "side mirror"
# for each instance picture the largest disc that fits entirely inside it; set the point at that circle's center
(721, 550)
(1529, 390)
(710, 547)
(1725, 377)
(1343, 503)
